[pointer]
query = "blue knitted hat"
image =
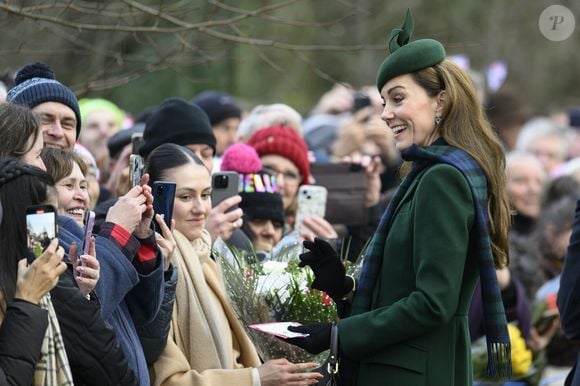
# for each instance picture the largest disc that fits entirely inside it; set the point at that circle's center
(35, 84)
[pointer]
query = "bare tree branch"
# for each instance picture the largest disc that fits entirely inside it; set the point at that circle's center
(201, 27)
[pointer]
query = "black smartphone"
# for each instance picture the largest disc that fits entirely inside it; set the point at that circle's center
(136, 142)
(224, 185)
(89, 222)
(135, 169)
(163, 198)
(41, 228)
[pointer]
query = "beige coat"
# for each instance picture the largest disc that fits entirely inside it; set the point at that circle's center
(207, 345)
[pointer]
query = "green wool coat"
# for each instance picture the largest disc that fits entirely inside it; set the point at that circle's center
(417, 333)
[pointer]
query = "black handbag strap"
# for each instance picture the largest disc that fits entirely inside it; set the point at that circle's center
(333, 357)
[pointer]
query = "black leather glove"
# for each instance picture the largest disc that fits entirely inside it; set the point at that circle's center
(318, 339)
(329, 273)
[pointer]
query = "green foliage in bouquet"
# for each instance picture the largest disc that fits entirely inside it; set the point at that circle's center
(275, 291)
(297, 302)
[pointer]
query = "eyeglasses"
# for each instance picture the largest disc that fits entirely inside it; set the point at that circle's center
(289, 176)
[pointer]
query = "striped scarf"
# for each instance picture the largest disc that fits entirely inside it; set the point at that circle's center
(498, 343)
(52, 369)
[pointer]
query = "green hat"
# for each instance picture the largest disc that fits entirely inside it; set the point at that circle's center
(408, 57)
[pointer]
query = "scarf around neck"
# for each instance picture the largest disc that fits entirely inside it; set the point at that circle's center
(498, 342)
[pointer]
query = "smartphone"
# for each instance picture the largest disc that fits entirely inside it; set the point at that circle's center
(311, 202)
(89, 222)
(545, 321)
(135, 169)
(136, 142)
(224, 185)
(163, 198)
(41, 227)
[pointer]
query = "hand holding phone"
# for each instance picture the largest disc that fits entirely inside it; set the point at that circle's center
(311, 202)
(42, 228)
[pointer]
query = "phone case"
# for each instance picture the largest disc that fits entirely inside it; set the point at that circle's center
(224, 185)
(136, 142)
(42, 227)
(311, 202)
(163, 199)
(89, 223)
(135, 167)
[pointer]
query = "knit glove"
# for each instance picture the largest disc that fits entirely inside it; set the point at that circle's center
(318, 339)
(329, 273)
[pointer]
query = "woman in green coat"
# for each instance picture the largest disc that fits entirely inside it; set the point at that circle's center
(445, 227)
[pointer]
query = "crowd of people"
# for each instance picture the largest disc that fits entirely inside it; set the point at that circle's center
(469, 213)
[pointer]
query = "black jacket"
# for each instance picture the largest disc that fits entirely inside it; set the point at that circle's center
(569, 294)
(21, 335)
(92, 348)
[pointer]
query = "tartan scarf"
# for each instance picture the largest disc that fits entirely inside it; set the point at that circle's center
(498, 342)
(52, 369)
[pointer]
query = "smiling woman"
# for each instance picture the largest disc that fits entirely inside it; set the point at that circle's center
(68, 170)
(207, 343)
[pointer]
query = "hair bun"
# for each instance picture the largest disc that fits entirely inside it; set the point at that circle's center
(35, 70)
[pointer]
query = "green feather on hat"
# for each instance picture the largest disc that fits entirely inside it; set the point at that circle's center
(406, 57)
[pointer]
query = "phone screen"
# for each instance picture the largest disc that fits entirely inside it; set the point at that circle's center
(41, 228)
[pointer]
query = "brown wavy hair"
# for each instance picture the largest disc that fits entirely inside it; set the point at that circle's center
(464, 125)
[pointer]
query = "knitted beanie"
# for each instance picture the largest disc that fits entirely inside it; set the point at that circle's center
(89, 106)
(263, 206)
(35, 84)
(177, 121)
(218, 106)
(241, 158)
(285, 142)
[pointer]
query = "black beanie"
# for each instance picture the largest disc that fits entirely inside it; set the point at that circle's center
(35, 84)
(177, 121)
(218, 106)
(262, 205)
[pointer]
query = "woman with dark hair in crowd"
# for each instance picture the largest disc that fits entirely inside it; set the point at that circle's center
(29, 326)
(21, 135)
(207, 345)
(92, 349)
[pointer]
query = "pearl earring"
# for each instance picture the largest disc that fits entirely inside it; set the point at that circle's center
(437, 120)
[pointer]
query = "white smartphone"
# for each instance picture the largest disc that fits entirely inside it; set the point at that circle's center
(311, 202)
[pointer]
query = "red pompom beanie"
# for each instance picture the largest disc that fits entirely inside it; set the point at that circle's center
(285, 142)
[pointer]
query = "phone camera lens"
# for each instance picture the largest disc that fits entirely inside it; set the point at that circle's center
(221, 182)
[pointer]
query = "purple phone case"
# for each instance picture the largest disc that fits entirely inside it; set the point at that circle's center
(88, 232)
